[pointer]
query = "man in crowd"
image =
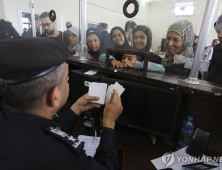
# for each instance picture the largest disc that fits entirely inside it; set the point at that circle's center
(106, 39)
(129, 26)
(209, 50)
(195, 41)
(37, 29)
(68, 25)
(215, 68)
(33, 91)
(50, 28)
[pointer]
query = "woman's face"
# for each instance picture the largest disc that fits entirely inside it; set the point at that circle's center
(117, 37)
(129, 60)
(93, 42)
(140, 40)
(72, 38)
(173, 43)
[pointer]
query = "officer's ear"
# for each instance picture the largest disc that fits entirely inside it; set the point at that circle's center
(53, 97)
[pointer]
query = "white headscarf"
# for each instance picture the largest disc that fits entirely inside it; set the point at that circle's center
(74, 30)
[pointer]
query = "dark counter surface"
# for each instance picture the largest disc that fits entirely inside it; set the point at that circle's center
(205, 89)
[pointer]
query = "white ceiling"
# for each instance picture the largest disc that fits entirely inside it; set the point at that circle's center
(167, 1)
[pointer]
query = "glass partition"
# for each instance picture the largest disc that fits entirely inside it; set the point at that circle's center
(165, 29)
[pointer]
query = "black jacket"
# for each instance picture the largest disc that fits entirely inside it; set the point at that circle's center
(61, 36)
(7, 30)
(31, 142)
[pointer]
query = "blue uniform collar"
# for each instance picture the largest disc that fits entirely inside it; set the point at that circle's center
(30, 119)
(3, 23)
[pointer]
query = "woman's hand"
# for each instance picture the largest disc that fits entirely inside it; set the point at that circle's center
(88, 56)
(83, 104)
(116, 63)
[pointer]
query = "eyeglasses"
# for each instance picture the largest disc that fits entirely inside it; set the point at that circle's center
(45, 25)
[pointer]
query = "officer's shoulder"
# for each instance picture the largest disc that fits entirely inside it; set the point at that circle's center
(6, 21)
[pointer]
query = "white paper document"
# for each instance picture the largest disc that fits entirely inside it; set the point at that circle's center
(177, 165)
(99, 89)
(91, 144)
(91, 72)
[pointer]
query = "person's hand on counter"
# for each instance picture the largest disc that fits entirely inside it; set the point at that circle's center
(83, 104)
(116, 63)
(113, 109)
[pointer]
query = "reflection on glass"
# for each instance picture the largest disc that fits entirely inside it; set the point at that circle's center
(179, 42)
(74, 39)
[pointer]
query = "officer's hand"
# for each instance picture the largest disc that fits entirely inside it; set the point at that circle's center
(112, 111)
(83, 104)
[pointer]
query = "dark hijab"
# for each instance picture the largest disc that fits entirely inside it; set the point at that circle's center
(125, 44)
(147, 31)
(118, 56)
(95, 55)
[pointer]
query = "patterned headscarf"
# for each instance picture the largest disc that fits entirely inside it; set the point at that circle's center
(187, 46)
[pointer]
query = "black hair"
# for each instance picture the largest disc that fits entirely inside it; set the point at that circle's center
(104, 25)
(214, 40)
(147, 31)
(130, 24)
(219, 20)
(44, 15)
(132, 48)
(127, 25)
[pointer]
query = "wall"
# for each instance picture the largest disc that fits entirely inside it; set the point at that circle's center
(109, 11)
(161, 16)
(158, 16)
(2, 10)
(69, 9)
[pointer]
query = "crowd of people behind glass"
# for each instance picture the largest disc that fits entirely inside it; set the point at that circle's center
(180, 43)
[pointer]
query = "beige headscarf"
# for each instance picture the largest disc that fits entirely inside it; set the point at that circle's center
(186, 31)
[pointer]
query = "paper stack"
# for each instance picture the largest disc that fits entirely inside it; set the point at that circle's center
(99, 89)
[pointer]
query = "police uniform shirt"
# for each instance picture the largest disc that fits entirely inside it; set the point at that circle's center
(7, 30)
(32, 142)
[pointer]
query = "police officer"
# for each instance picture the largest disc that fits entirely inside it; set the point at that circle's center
(34, 89)
(7, 30)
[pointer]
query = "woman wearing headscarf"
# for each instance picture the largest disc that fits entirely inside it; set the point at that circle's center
(93, 42)
(142, 40)
(119, 40)
(74, 39)
(179, 42)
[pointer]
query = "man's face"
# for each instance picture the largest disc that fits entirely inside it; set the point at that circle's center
(195, 40)
(64, 88)
(219, 31)
(37, 25)
(215, 43)
(129, 60)
(48, 25)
